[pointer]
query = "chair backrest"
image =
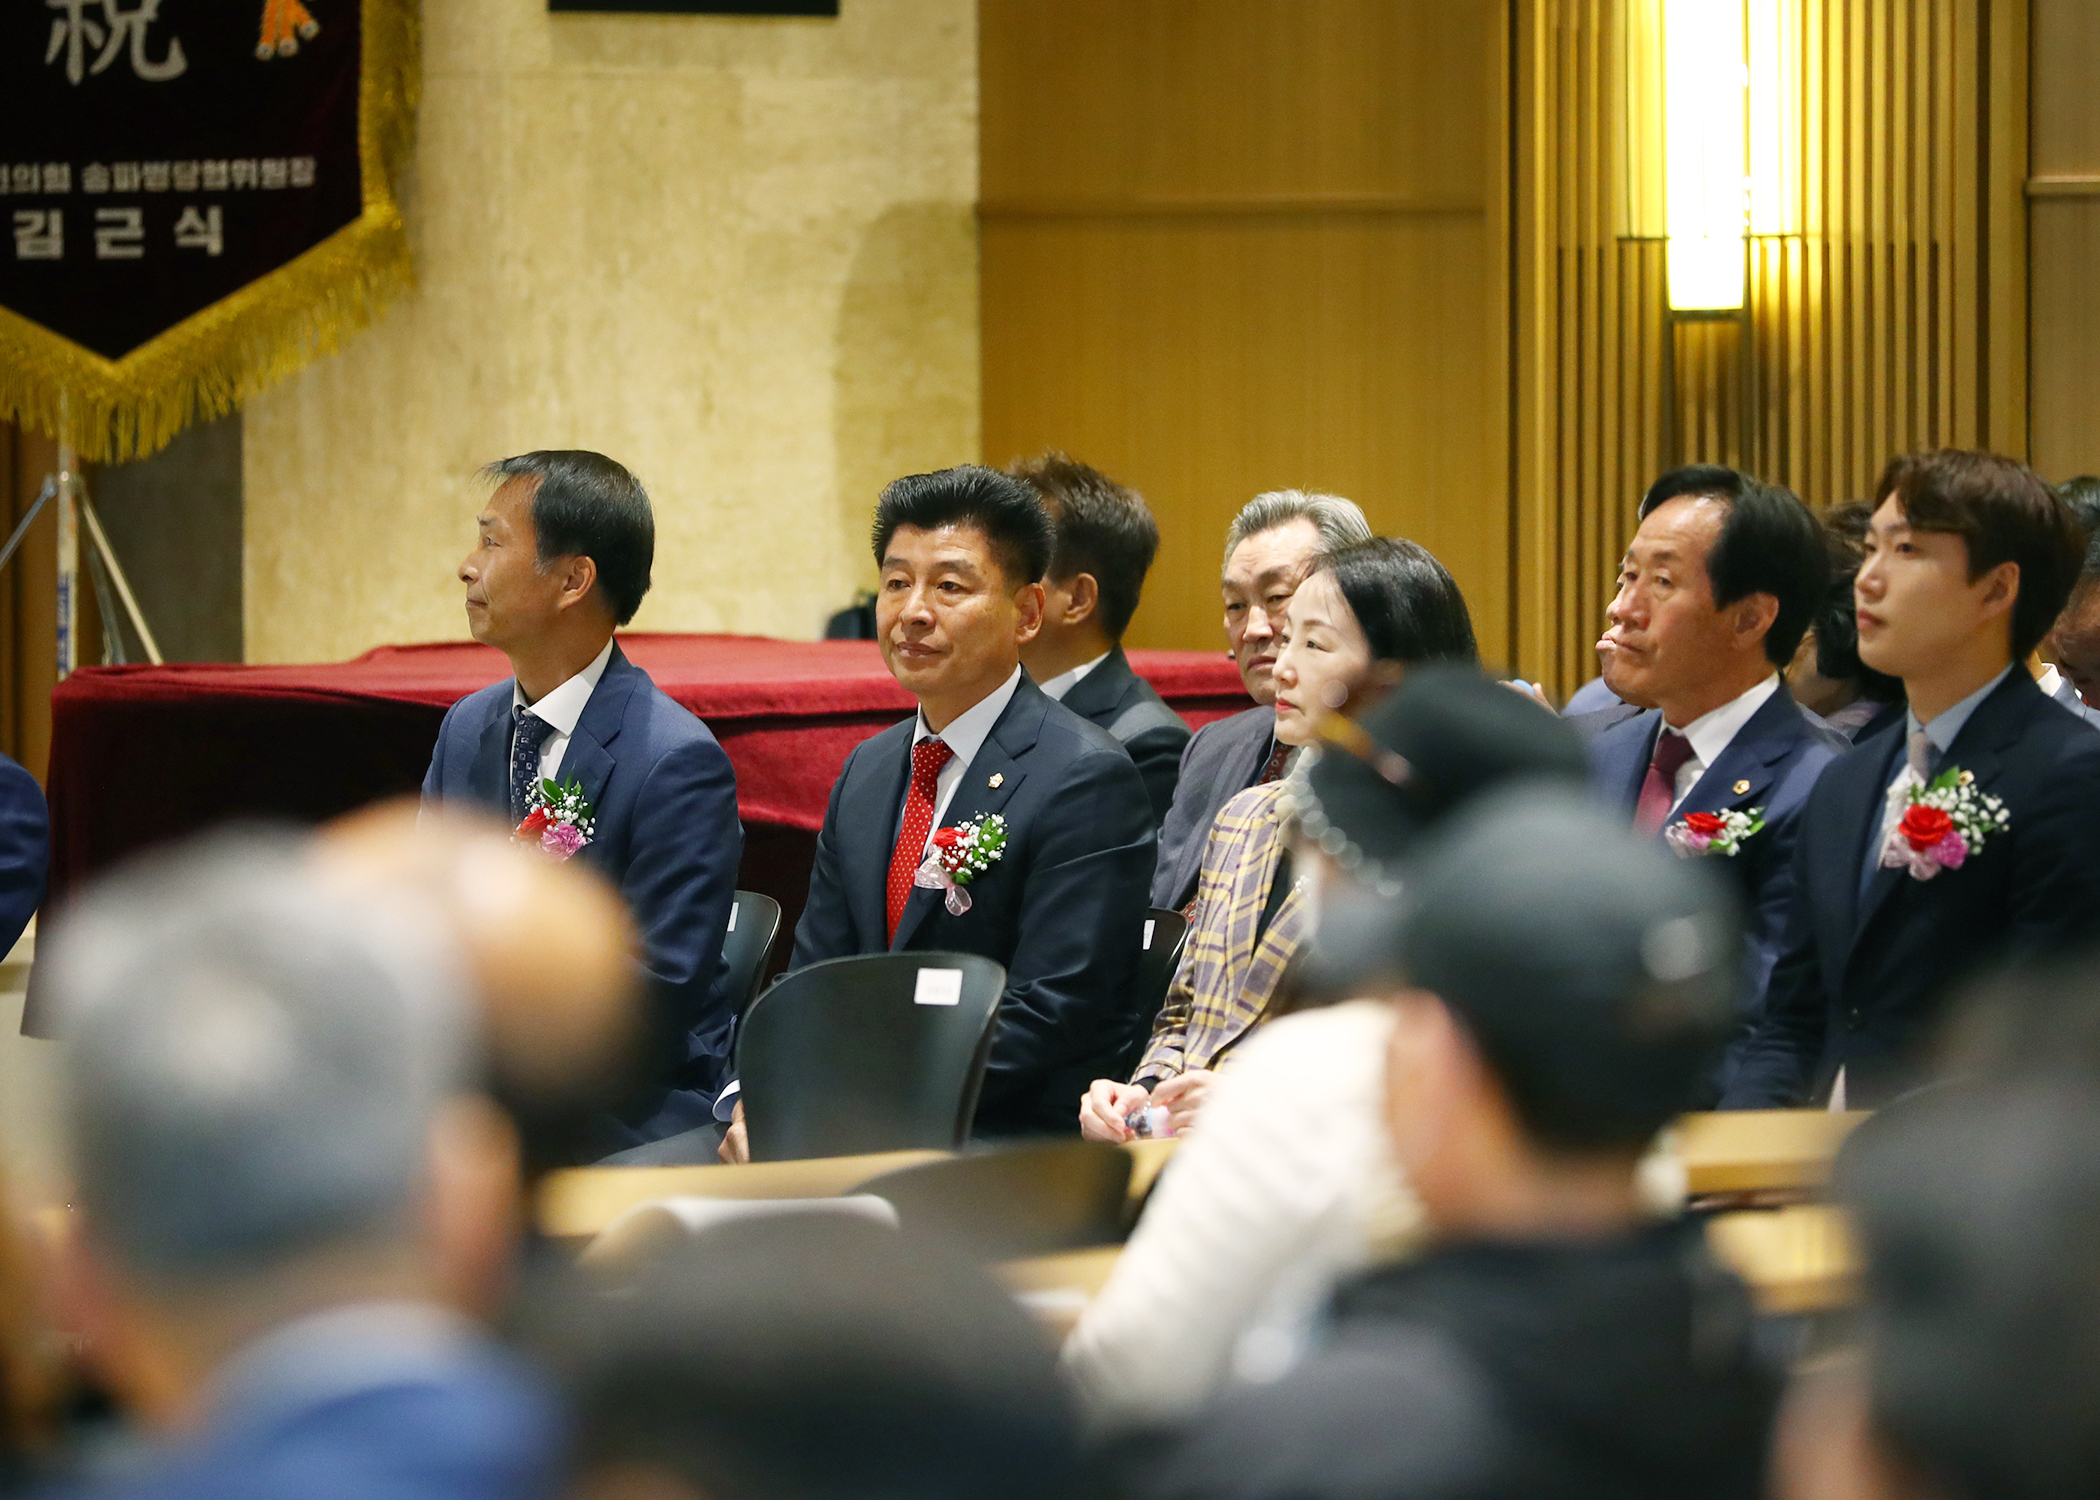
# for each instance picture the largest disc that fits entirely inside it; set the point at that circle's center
(1166, 937)
(1007, 1202)
(754, 924)
(878, 1053)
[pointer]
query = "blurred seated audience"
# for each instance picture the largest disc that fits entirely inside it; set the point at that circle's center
(562, 1017)
(1269, 548)
(1290, 1184)
(289, 1207)
(1978, 1373)
(1568, 988)
(810, 1358)
(1106, 540)
(1826, 675)
(25, 851)
(2074, 640)
(31, 1377)
(1353, 628)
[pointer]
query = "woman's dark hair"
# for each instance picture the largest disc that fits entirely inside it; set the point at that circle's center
(1406, 604)
(1837, 619)
(1007, 510)
(1769, 544)
(585, 505)
(2003, 513)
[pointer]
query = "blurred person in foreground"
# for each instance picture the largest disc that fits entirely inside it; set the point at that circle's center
(636, 786)
(810, 1358)
(1970, 839)
(1715, 590)
(290, 1209)
(1978, 1371)
(1269, 549)
(1352, 630)
(1567, 989)
(1826, 676)
(1106, 540)
(562, 1019)
(1290, 1184)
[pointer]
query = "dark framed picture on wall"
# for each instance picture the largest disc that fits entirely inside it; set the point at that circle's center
(702, 7)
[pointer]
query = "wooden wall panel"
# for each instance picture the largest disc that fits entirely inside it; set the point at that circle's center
(1895, 320)
(2064, 243)
(1249, 245)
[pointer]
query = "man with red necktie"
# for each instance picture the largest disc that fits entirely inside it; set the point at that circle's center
(1715, 591)
(1062, 906)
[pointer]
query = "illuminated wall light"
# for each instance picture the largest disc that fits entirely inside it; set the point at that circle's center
(1704, 152)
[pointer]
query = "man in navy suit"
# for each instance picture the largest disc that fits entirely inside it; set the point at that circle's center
(1269, 550)
(1106, 540)
(962, 553)
(292, 1209)
(563, 556)
(1969, 558)
(1715, 591)
(25, 850)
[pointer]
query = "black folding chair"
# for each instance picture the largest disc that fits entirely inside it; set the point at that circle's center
(1166, 936)
(878, 1053)
(1005, 1202)
(754, 924)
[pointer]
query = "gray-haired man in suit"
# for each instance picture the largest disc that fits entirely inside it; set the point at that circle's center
(1268, 551)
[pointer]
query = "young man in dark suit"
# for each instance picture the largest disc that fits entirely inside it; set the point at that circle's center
(1715, 591)
(563, 556)
(1106, 540)
(1268, 552)
(962, 553)
(1968, 560)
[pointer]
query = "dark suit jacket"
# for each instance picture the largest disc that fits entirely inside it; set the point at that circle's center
(1771, 764)
(381, 1425)
(25, 850)
(664, 797)
(1063, 909)
(1862, 981)
(1138, 719)
(1221, 761)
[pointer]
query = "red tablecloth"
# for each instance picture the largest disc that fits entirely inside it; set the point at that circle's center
(144, 754)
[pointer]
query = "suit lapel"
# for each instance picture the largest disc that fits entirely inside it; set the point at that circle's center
(1743, 771)
(999, 759)
(1101, 691)
(589, 758)
(1623, 753)
(488, 776)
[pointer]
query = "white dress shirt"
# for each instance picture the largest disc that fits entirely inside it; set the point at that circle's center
(561, 708)
(1064, 682)
(1710, 734)
(964, 738)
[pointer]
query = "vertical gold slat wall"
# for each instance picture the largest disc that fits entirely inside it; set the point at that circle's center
(1894, 320)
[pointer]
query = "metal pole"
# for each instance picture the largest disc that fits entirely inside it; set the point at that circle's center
(116, 576)
(68, 561)
(21, 530)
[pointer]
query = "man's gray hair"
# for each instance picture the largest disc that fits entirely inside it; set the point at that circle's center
(1340, 522)
(253, 1061)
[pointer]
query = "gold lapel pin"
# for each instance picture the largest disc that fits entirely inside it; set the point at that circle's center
(998, 780)
(1741, 787)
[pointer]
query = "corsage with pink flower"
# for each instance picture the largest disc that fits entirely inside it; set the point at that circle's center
(1721, 833)
(960, 854)
(1946, 823)
(561, 821)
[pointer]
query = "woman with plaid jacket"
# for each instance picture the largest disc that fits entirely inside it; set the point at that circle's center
(1361, 618)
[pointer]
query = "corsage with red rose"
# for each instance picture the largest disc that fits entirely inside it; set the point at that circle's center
(561, 821)
(1947, 822)
(1719, 833)
(958, 855)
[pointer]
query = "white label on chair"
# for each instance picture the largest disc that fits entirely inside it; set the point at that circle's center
(938, 987)
(732, 924)
(1149, 925)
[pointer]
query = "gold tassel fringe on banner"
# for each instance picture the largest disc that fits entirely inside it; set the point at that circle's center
(210, 363)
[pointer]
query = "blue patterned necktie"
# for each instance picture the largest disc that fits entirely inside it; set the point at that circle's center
(528, 732)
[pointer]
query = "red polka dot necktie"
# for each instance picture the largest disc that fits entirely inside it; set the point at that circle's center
(927, 758)
(1659, 786)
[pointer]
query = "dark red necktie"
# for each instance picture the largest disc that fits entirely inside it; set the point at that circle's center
(1659, 790)
(927, 758)
(1279, 761)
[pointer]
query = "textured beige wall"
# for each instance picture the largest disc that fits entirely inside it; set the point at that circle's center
(738, 255)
